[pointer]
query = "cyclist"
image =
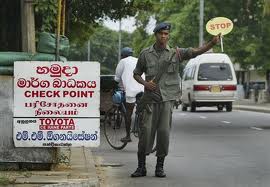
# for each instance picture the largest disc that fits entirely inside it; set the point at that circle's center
(124, 76)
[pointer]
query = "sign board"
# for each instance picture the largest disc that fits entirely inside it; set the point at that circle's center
(56, 104)
(219, 25)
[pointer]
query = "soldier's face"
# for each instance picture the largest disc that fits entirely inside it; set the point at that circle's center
(162, 36)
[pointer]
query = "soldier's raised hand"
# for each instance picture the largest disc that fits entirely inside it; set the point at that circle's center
(216, 39)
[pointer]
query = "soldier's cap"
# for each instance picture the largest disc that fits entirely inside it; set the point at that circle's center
(162, 26)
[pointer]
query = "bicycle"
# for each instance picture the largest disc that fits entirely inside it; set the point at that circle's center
(114, 122)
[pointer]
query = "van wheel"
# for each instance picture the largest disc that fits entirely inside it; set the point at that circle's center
(184, 107)
(192, 107)
(229, 107)
(220, 107)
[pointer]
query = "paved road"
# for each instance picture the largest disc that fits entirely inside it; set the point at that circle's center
(207, 149)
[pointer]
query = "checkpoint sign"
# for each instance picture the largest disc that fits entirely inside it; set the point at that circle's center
(56, 104)
(219, 25)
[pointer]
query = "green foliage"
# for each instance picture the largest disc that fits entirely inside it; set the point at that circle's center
(83, 16)
(247, 44)
(90, 11)
(263, 50)
(46, 15)
(83, 20)
(80, 33)
(103, 48)
(6, 179)
(185, 21)
(141, 40)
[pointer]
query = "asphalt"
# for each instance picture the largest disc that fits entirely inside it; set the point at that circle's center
(80, 170)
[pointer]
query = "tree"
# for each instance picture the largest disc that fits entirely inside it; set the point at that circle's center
(245, 44)
(104, 49)
(84, 16)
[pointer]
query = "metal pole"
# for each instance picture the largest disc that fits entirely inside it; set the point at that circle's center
(201, 22)
(119, 41)
(88, 51)
(221, 43)
(58, 30)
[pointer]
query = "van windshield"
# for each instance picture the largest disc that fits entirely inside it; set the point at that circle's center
(214, 72)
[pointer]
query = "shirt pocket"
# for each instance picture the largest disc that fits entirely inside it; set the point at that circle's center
(151, 69)
(171, 82)
(172, 67)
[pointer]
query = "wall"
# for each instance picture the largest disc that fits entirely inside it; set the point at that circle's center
(8, 153)
(255, 76)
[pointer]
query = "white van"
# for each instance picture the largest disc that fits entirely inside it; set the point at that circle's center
(209, 80)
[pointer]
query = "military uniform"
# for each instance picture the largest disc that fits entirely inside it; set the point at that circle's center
(158, 115)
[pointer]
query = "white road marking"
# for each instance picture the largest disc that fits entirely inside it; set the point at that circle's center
(203, 117)
(227, 122)
(256, 128)
(182, 114)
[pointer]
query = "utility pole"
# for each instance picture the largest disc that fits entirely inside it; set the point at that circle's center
(88, 50)
(201, 22)
(119, 41)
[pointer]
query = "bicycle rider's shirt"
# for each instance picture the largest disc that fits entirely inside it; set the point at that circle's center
(124, 75)
(149, 62)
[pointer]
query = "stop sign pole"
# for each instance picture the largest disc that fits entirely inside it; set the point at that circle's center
(221, 43)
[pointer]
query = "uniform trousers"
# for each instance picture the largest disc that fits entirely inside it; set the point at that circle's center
(156, 121)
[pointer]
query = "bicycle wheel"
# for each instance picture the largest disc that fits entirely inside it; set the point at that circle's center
(135, 128)
(114, 127)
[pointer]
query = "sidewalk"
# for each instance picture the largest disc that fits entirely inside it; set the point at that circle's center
(250, 105)
(80, 172)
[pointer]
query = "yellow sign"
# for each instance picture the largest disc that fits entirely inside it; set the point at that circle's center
(219, 25)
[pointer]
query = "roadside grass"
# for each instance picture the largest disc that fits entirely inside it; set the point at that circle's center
(5, 179)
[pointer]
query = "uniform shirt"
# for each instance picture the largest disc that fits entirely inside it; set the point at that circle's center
(124, 75)
(150, 61)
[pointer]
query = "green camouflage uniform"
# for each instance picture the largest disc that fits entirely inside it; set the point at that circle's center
(157, 116)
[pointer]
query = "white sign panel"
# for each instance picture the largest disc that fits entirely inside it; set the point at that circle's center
(50, 89)
(57, 97)
(56, 132)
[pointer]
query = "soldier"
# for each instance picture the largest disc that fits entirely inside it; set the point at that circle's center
(157, 113)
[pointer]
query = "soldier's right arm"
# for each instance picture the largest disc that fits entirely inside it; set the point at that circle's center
(139, 70)
(188, 53)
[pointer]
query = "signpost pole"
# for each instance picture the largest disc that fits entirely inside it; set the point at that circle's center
(221, 43)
